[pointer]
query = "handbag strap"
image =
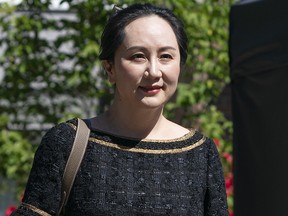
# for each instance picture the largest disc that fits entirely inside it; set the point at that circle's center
(73, 162)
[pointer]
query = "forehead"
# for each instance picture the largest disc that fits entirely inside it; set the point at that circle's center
(149, 27)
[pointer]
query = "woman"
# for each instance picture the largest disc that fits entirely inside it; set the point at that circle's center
(137, 162)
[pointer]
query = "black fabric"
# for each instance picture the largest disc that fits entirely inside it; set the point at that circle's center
(259, 73)
(120, 176)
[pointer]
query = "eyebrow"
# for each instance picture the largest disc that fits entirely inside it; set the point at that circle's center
(144, 49)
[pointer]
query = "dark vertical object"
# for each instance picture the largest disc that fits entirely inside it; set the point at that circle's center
(259, 73)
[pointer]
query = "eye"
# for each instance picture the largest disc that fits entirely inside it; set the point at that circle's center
(138, 57)
(166, 57)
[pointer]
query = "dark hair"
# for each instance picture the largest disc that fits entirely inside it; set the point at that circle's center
(113, 34)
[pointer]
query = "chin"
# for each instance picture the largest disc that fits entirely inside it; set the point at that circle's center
(153, 103)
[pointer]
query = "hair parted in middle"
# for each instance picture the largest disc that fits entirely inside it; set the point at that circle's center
(113, 34)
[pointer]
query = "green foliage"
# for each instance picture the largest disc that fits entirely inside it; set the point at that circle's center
(47, 83)
(207, 70)
(16, 155)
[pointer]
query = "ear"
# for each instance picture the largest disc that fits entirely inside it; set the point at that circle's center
(108, 67)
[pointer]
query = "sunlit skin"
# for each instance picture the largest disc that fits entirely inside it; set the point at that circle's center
(149, 48)
(145, 72)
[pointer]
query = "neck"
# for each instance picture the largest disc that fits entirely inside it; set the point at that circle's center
(134, 122)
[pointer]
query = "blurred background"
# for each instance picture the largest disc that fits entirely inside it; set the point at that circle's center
(50, 72)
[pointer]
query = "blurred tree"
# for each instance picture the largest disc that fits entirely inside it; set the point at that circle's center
(16, 155)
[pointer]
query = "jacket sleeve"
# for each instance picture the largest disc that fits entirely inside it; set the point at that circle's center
(43, 189)
(215, 198)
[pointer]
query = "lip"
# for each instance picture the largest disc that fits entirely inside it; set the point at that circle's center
(151, 89)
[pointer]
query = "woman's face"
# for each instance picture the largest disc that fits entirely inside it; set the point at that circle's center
(146, 66)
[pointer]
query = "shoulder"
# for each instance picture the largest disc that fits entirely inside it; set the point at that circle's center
(211, 151)
(208, 143)
(63, 129)
(59, 138)
(208, 147)
(55, 147)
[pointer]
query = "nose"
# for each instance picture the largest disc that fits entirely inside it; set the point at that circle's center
(153, 70)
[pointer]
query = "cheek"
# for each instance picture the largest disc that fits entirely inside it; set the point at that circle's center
(129, 71)
(173, 74)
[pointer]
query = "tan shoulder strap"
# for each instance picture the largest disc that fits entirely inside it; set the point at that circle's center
(73, 162)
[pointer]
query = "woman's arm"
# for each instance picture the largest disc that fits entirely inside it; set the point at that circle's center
(215, 198)
(42, 193)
